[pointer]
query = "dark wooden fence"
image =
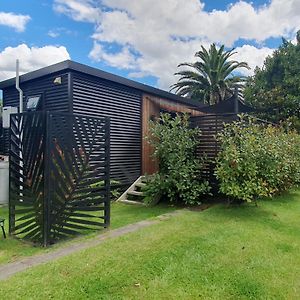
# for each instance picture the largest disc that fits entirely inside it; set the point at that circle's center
(59, 175)
(210, 125)
(208, 149)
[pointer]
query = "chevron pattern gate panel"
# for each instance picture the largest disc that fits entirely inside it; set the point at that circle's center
(59, 175)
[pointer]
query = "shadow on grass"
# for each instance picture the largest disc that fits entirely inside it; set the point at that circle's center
(286, 198)
(121, 215)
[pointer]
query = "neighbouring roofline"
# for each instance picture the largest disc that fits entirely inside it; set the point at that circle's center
(75, 66)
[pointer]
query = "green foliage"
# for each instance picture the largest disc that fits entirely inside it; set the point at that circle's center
(211, 79)
(275, 88)
(257, 160)
(179, 177)
(115, 192)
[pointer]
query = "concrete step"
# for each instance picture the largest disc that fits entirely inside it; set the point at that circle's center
(143, 179)
(135, 193)
(140, 184)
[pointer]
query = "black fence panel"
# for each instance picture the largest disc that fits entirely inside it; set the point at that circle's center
(210, 125)
(208, 148)
(59, 175)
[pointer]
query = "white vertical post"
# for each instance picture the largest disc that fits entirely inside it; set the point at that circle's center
(18, 87)
(20, 124)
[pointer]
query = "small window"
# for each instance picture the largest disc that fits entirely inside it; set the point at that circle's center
(33, 102)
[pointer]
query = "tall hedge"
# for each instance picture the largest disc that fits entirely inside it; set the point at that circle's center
(257, 160)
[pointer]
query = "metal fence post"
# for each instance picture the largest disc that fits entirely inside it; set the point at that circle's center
(10, 202)
(47, 178)
(107, 175)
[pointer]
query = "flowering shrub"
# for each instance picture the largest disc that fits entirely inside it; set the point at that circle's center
(179, 177)
(257, 160)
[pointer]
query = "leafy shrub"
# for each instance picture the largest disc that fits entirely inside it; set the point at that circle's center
(179, 177)
(257, 160)
(115, 192)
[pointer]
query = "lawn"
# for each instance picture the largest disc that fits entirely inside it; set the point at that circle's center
(121, 215)
(237, 252)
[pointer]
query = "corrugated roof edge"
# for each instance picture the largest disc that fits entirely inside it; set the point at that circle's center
(72, 65)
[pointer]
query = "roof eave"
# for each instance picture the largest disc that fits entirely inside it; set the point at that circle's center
(71, 65)
(37, 73)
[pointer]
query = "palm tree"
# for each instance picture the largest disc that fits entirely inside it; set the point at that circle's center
(212, 80)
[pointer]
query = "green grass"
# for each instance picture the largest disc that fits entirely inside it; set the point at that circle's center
(12, 249)
(237, 252)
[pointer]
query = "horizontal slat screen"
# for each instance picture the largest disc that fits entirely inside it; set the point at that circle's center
(210, 126)
(98, 97)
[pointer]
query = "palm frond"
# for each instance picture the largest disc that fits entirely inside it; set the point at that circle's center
(210, 76)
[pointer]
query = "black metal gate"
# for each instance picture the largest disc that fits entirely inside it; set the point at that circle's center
(59, 175)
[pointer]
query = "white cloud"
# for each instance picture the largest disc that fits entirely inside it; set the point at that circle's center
(123, 58)
(59, 31)
(295, 40)
(165, 33)
(30, 58)
(253, 56)
(18, 22)
(79, 10)
(138, 74)
(53, 34)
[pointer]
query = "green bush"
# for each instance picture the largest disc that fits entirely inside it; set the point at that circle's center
(257, 160)
(179, 177)
(115, 192)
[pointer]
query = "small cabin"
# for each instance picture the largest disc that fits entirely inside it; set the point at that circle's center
(76, 88)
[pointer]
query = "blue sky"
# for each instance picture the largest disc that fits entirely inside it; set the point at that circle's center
(140, 39)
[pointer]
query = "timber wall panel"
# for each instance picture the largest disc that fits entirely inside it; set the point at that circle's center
(152, 106)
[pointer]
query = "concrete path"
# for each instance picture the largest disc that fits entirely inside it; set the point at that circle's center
(10, 269)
